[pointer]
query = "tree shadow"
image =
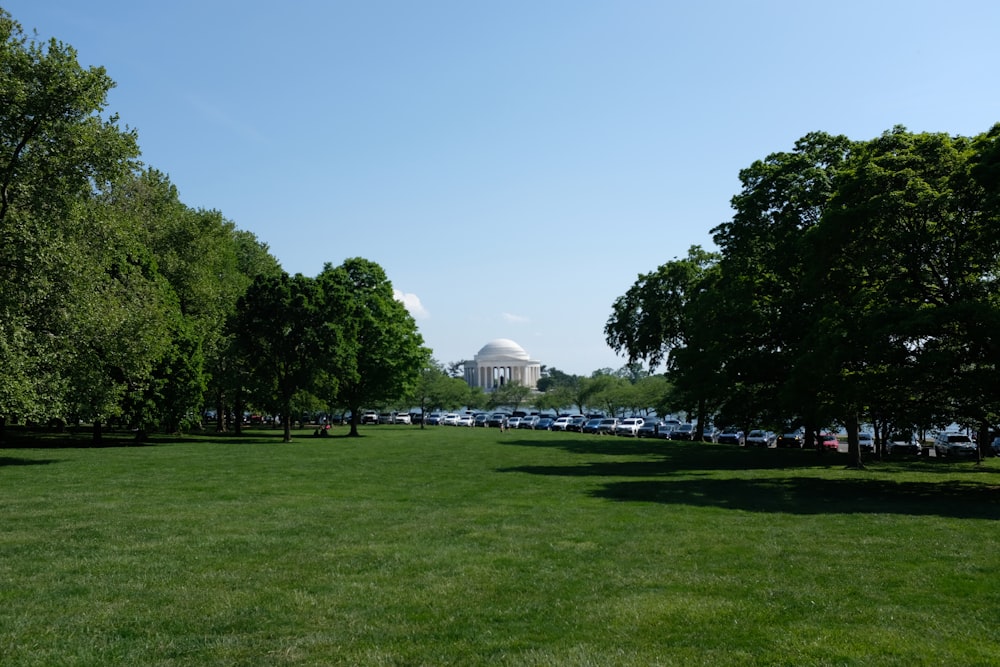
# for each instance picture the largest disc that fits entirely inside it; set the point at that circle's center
(685, 474)
(811, 495)
(12, 461)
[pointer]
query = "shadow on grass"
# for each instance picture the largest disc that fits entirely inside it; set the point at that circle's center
(665, 456)
(811, 495)
(11, 461)
(679, 473)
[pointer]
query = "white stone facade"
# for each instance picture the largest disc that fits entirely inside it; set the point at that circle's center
(502, 361)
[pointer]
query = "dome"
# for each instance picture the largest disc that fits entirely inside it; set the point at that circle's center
(503, 348)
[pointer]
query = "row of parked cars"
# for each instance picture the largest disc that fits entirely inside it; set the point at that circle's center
(639, 427)
(946, 445)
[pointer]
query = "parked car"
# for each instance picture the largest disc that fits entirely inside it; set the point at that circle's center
(497, 419)
(449, 419)
(828, 440)
(995, 446)
(529, 421)
(709, 434)
(683, 432)
(576, 423)
(369, 417)
(866, 442)
(607, 426)
(731, 436)
(666, 428)
(433, 419)
(465, 420)
(401, 418)
(514, 422)
(480, 419)
(544, 424)
(591, 425)
(629, 427)
(560, 423)
(649, 429)
(759, 438)
(902, 443)
(954, 445)
(791, 439)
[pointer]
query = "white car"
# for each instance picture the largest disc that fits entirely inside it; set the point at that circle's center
(402, 418)
(450, 419)
(465, 420)
(954, 445)
(629, 427)
(561, 423)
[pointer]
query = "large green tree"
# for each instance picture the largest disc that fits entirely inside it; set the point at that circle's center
(916, 255)
(57, 151)
(381, 353)
(286, 341)
(654, 320)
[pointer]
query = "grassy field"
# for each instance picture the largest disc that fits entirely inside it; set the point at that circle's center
(451, 546)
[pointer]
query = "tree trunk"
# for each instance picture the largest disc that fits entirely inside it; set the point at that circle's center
(355, 416)
(982, 441)
(238, 413)
(220, 412)
(95, 433)
(853, 449)
(699, 434)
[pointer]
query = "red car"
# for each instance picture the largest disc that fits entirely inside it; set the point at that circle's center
(829, 441)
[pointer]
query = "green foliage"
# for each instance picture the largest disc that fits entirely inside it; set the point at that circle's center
(56, 152)
(285, 340)
(510, 394)
(856, 280)
(380, 353)
(435, 389)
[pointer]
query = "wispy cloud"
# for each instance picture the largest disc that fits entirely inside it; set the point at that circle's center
(412, 304)
(515, 319)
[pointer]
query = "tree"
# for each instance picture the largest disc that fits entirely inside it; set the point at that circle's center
(381, 353)
(56, 151)
(286, 341)
(436, 390)
(511, 394)
(915, 284)
(654, 320)
(762, 311)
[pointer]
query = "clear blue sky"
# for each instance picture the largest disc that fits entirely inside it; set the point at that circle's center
(513, 166)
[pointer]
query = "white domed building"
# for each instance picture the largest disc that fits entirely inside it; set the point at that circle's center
(502, 361)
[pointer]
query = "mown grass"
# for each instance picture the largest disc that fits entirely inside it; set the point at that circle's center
(449, 546)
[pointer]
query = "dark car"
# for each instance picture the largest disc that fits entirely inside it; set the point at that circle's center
(576, 424)
(791, 439)
(497, 420)
(591, 425)
(649, 429)
(544, 424)
(731, 436)
(683, 432)
(759, 438)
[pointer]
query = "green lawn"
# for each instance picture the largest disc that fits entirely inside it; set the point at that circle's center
(451, 546)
